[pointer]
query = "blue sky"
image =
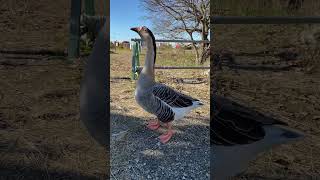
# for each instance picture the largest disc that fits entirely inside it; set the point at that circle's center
(125, 14)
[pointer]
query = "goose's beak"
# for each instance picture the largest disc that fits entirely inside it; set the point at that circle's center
(135, 29)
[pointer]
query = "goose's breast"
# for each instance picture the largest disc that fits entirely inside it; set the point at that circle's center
(144, 99)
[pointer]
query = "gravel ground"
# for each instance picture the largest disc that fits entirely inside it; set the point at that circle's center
(136, 152)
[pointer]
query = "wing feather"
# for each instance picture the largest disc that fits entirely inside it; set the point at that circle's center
(233, 124)
(172, 97)
(163, 112)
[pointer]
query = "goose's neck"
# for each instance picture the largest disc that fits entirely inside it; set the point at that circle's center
(150, 59)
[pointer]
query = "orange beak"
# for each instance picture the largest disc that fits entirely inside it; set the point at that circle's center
(136, 29)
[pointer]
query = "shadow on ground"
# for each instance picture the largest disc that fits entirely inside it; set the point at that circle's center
(24, 172)
(136, 152)
(292, 177)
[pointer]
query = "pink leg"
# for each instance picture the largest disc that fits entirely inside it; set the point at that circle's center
(153, 125)
(164, 138)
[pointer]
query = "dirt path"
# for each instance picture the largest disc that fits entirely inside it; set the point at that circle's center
(41, 136)
(136, 151)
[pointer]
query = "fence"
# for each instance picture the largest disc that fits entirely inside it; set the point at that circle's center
(265, 19)
(74, 35)
(136, 63)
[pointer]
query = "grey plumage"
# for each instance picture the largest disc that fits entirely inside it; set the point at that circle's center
(236, 124)
(239, 134)
(155, 98)
(94, 90)
(153, 104)
(171, 97)
(161, 99)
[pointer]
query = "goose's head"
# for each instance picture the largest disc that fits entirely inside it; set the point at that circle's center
(143, 32)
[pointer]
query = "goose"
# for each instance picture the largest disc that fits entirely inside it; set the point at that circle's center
(158, 99)
(94, 90)
(239, 134)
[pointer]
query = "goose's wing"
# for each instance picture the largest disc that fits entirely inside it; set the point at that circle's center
(234, 124)
(171, 97)
(163, 111)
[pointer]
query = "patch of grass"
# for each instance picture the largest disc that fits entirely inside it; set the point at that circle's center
(311, 62)
(173, 57)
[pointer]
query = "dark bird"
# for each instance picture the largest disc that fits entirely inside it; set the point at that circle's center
(94, 90)
(239, 134)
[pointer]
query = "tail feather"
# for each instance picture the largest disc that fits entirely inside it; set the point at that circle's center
(197, 103)
(290, 134)
(200, 103)
(280, 134)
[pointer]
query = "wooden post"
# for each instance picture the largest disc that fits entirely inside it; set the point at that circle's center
(74, 35)
(89, 7)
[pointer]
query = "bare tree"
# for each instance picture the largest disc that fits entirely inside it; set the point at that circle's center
(178, 18)
(294, 5)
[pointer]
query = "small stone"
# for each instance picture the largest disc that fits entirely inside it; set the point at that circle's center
(149, 177)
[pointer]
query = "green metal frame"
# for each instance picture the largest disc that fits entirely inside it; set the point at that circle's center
(74, 31)
(89, 7)
(136, 49)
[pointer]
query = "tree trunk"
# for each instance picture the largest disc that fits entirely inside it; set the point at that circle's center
(197, 54)
(204, 34)
(198, 60)
(195, 48)
(204, 37)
